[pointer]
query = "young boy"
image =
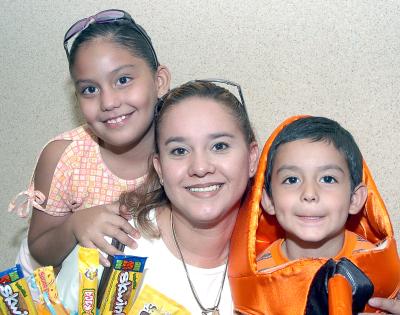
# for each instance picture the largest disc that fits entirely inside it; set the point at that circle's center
(313, 183)
(316, 177)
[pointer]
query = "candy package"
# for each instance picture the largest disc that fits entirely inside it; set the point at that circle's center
(150, 301)
(48, 294)
(15, 297)
(88, 262)
(125, 278)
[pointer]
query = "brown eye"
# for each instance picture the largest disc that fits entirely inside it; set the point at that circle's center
(179, 151)
(220, 146)
(328, 180)
(123, 80)
(291, 180)
(89, 90)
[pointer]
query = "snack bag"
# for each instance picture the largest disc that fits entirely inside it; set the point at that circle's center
(15, 297)
(37, 296)
(48, 295)
(88, 262)
(150, 301)
(124, 280)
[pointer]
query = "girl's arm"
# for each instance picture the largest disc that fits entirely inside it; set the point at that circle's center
(51, 238)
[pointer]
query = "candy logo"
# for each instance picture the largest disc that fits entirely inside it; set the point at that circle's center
(122, 287)
(11, 300)
(88, 301)
(43, 281)
(91, 273)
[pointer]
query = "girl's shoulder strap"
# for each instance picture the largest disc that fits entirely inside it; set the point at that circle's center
(22, 203)
(80, 133)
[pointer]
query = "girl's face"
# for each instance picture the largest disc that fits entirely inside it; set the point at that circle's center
(117, 92)
(204, 161)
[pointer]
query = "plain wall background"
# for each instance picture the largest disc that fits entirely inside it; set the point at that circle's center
(339, 59)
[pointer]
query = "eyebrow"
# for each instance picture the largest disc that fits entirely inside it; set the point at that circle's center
(112, 72)
(123, 67)
(321, 168)
(212, 136)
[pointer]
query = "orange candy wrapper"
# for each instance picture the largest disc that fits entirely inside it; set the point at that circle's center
(88, 270)
(46, 282)
(124, 281)
(15, 297)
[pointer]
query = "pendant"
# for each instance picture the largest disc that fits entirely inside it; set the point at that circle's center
(212, 312)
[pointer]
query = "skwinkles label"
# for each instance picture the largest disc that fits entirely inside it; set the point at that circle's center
(121, 288)
(15, 297)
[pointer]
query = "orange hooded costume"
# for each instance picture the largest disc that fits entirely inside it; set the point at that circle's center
(284, 290)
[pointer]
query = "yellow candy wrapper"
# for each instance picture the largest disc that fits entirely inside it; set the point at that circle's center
(124, 280)
(37, 297)
(150, 301)
(88, 264)
(46, 282)
(15, 297)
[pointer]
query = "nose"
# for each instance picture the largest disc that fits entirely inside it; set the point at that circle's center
(201, 164)
(109, 100)
(310, 192)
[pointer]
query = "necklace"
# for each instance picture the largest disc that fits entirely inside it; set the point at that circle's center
(204, 310)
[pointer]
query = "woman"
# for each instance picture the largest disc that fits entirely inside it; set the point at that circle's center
(205, 154)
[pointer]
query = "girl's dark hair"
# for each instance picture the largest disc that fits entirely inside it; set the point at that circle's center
(318, 129)
(151, 194)
(123, 33)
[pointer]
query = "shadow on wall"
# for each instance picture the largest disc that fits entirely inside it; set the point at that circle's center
(18, 236)
(76, 113)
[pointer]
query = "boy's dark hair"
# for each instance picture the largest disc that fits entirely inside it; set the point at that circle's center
(318, 129)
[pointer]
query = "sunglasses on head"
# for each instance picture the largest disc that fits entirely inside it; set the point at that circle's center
(160, 102)
(103, 17)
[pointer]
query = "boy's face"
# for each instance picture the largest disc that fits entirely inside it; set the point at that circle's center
(311, 191)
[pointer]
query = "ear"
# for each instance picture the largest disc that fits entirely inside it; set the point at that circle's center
(157, 165)
(358, 198)
(163, 80)
(267, 203)
(253, 158)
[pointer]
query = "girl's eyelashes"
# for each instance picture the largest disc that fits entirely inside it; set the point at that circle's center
(89, 90)
(123, 80)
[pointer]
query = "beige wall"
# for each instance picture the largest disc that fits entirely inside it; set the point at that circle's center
(334, 58)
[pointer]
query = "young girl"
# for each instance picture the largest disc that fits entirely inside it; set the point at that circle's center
(118, 80)
(205, 154)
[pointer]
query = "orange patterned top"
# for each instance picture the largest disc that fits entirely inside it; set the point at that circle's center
(81, 179)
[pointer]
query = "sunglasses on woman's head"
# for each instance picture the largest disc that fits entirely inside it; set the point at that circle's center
(103, 17)
(160, 102)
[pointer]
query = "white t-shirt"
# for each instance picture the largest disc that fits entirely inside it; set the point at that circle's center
(164, 272)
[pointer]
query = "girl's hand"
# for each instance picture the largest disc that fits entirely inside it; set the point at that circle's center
(390, 306)
(90, 227)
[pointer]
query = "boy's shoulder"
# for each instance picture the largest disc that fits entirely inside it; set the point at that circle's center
(272, 256)
(356, 243)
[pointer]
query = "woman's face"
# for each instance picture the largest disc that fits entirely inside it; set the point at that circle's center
(204, 161)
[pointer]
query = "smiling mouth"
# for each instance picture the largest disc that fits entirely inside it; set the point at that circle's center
(310, 218)
(117, 120)
(205, 189)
